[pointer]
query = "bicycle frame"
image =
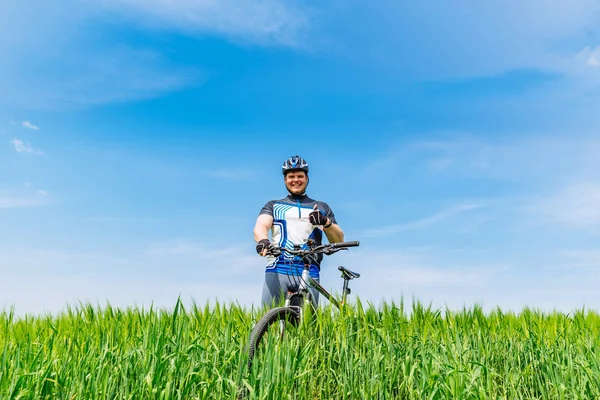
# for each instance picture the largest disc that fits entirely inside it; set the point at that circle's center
(305, 282)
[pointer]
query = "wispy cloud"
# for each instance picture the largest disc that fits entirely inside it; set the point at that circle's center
(428, 274)
(456, 151)
(231, 174)
(543, 180)
(435, 276)
(156, 273)
(17, 202)
(423, 223)
(440, 164)
(84, 72)
(14, 198)
(590, 56)
(457, 279)
(204, 270)
(24, 147)
(29, 125)
(587, 259)
(198, 251)
(575, 206)
(477, 48)
(540, 159)
(263, 22)
(111, 76)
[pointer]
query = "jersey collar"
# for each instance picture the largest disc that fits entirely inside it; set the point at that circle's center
(296, 197)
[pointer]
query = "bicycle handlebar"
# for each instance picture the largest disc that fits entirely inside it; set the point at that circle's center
(313, 250)
(354, 243)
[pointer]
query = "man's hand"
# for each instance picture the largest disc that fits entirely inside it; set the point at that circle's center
(316, 217)
(262, 246)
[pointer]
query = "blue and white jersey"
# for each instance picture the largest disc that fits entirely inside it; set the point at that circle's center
(290, 227)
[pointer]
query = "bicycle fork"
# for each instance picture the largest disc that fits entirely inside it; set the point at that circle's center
(303, 294)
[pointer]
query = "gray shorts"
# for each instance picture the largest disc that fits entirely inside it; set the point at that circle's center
(277, 285)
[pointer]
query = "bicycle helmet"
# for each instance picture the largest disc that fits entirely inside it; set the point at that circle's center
(294, 163)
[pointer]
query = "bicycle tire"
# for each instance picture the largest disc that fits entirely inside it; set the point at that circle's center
(262, 326)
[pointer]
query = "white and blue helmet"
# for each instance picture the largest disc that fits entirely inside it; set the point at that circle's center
(294, 163)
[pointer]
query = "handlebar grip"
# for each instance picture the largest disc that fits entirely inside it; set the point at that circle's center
(274, 251)
(353, 243)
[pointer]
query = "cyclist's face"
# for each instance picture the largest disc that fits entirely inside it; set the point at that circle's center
(296, 181)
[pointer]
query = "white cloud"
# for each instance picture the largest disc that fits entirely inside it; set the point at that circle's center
(537, 180)
(109, 76)
(22, 196)
(574, 205)
(8, 200)
(154, 274)
(54, 292)
(474, 44)
(424, 222)
(37, 280)
(264, 22)
(17, 202)
(537, 158)
(587, 259)
(85, 72)
(440, 164)
(564, 99)
(29, 125)
(455, 280)
(231, 174)
(24, 147)
(205, 271)
(197, 251)
(590, 57)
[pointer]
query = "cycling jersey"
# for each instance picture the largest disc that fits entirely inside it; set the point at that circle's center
(292, 227)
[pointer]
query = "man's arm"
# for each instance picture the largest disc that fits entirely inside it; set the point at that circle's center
(262, 226)
(334, 232)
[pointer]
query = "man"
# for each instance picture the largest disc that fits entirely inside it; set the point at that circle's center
(292, 220)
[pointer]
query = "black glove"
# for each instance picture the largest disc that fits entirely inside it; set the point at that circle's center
(316, 217)
(262, 245)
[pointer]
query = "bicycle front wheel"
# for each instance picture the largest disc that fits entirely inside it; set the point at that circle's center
(275, 319)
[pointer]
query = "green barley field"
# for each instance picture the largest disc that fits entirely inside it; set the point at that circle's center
(363, 352)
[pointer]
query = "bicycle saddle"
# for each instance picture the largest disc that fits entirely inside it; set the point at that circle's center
(346, 273)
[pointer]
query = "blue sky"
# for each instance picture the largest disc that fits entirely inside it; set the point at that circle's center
(458, 142)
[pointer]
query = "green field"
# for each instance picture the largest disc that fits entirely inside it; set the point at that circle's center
(365, 352)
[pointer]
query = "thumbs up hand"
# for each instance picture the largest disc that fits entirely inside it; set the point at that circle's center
(316, 217)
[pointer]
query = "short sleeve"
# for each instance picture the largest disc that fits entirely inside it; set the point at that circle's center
(267, 208)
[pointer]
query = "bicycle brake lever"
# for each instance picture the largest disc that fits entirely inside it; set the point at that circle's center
(331, 251)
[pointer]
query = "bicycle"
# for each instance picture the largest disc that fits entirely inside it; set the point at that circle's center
(293, 309)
